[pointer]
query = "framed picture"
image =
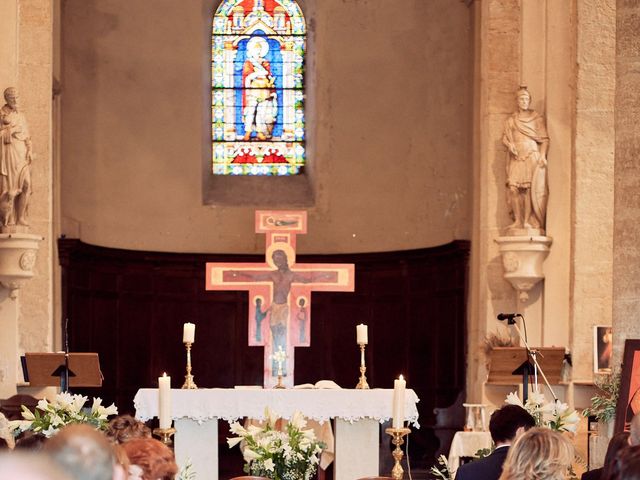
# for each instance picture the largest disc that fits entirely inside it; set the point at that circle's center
(602, 348)
(629, 400)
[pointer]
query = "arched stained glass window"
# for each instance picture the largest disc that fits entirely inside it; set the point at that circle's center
(257, 75)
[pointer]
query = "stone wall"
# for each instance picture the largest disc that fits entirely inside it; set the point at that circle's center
(390, 104)
(626, 264)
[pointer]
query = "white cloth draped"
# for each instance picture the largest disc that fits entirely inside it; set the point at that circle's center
(317, 404)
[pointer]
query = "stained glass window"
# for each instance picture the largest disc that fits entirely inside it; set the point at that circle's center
(257, 97)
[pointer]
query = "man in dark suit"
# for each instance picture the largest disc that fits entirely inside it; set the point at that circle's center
(506, 424)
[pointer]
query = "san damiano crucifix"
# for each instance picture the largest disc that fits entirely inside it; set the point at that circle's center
(280, 290)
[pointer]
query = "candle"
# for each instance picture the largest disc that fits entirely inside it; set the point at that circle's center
(362, 334)
(399, 387)
(188, 333)
(164, 398)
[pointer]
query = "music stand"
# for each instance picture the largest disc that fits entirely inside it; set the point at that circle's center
(48, 370)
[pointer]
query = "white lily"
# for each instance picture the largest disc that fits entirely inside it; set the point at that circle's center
(269, 465)
(237, 429)
(249, 455)
(233, 441)
(514, 399)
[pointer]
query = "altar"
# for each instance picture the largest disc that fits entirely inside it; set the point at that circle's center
(358, 415)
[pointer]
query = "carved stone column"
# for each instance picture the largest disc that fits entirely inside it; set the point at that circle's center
(17, 259)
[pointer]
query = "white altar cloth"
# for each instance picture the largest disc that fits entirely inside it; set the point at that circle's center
(358, 415)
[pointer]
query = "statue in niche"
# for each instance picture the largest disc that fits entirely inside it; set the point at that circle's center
(15, 165)
(525, 136)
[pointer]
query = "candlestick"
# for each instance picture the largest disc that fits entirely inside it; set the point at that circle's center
(279, 357)
(164, 434)
(399, 387)
(362, 334)
(397, 434)
(362, 383)
(189, 384)
(164, 400)
(188, 333)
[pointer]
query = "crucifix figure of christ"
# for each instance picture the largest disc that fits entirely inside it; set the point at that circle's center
(280, 290)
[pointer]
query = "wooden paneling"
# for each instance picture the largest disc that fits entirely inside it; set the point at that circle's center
(130, 306)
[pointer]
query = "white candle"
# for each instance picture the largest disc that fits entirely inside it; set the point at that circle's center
(188, 333)
(362, 334)
(164, 399)
(399, 387)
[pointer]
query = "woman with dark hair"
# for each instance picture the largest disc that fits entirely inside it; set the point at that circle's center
(124, 428)
(30, 441)
(626, 465)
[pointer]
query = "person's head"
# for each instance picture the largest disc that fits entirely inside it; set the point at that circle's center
(626, 465)
(539, 454)
(33, 442)
(634, 431)
(84, 453)
(280, 259)
(11, 97)
(124, 428)
(154, 458)
(617, 443)
(29, 466)
(524, 98)
(508, 422)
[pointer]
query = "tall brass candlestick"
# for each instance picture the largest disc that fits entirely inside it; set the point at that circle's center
(362, 383)
(397, 434)
(189, 384)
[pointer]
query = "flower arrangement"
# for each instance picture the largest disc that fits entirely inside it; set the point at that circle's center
(49, 417)
(603, 405)
(553, 415)
(292, 454)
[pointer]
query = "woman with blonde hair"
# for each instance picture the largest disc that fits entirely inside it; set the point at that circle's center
(539, 454)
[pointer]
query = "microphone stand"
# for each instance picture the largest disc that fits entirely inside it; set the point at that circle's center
(531, 353)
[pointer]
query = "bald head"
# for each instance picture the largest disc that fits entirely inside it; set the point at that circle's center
(634, 434)
(84, 453)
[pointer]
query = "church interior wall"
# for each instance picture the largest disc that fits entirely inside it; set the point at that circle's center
(391, 104)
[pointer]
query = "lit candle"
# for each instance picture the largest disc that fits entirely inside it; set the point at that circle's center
(362, 334)
(164, 395)
(399, 387)
(188, 333)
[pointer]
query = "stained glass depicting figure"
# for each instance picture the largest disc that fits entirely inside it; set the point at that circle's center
(258, 122)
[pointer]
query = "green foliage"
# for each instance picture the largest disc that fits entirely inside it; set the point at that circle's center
(443, 472)
(603, 405)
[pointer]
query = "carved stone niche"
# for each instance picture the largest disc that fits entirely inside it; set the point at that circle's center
(522, 259)
(17, 259)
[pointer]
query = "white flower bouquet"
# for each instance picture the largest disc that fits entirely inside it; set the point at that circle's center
(292, 454)
(49, 417)
(553, 415)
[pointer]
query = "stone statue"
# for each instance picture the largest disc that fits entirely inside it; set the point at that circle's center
(525, 135)
(15, 165)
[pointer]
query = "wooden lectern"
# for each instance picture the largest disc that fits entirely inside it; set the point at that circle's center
(42, 369)
(506, 360)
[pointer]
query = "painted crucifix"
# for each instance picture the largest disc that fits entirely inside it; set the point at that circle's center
(280, 289)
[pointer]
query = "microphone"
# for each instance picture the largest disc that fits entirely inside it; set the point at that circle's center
(507, 316)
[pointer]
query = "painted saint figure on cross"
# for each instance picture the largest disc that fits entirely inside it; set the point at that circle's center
(280, 289)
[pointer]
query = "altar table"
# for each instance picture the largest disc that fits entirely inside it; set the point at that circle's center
(358, 415)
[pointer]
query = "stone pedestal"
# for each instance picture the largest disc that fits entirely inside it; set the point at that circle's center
(17, 259)
(522, 259)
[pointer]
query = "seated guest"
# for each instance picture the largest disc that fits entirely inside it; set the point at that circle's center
(125, 427)
(153, 457)
(84, 454)
(626, 465)
(506, 425)
(539, 454)
(29, 441)
(27, 466)
(617, 443)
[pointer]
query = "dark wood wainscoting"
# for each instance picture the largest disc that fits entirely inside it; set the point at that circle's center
(129, 306)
